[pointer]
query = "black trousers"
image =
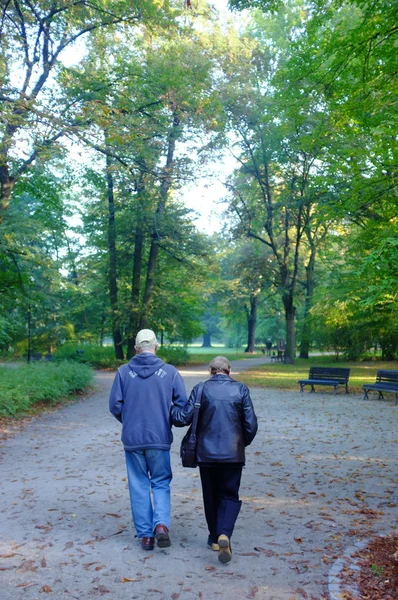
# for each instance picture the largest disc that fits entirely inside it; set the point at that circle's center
(220, 487)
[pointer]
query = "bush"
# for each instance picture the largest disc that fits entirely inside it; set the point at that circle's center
(21, 388)
(104, 357)
(99, 357)
(173, 356)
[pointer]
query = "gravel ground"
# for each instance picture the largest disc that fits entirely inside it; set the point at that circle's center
(320, 476)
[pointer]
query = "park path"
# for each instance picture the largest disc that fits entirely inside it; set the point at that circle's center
(321, 474)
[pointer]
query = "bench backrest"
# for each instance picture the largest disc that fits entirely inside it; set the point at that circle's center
(386, 376)
(333, 373)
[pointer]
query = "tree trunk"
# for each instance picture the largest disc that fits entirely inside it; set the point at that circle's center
(149, 283)
(306, 336)
(290, 312)
(251, 324)
(134, 320)
(102, 330)
(6, 186)
(154, 249)
(206, 340)
(113, 290)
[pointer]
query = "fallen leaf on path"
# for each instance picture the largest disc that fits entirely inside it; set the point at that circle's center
(28, 565)
(130, 579)
(46, 589)
(267, 553)
(90, 564)
(68, 545)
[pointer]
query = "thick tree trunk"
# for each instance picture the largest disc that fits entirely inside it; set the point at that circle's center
(306, 336)
(251, 324)
(206, 340)
(113, 290)
(290, 312)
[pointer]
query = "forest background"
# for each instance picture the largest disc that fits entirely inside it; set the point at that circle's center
(111, 113)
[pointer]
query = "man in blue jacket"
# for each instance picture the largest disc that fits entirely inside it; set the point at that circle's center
(141, 398)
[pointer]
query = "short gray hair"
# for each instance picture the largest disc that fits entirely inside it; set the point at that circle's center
(219, 365)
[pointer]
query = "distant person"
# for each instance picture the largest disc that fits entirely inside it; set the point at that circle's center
(268, 345)
(141, 398)
(227, 423)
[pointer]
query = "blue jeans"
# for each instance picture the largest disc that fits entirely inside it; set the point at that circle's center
(149, 471)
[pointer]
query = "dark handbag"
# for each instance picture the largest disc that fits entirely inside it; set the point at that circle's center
(188, 443)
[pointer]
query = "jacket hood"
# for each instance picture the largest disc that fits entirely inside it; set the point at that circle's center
(145, 364)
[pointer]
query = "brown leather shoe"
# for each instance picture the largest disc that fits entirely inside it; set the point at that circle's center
(148, 543)
(162, 536)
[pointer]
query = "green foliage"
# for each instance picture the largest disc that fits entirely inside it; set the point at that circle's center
(98, 357)
(339, 331)
(308, 94)
(377, 570)
(173, 356)
(24, 386)
(104, 357)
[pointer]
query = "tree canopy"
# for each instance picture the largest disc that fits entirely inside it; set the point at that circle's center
(108, 110)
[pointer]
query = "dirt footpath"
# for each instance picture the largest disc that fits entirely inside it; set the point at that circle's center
(320, 475)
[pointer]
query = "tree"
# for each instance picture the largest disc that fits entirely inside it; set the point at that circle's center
(31, 254)
(144, 132)
(245, 274)
(279, 145)
(33, 37)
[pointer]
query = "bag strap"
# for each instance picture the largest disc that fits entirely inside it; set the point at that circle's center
(197, 407)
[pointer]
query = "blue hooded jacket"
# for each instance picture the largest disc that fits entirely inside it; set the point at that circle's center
(141, 398)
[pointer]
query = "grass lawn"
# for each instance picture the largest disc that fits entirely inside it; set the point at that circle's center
(285, 377)
(202, 356)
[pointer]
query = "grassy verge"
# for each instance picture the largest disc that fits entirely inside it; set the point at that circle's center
(285, 377)
(203, 358)
(24, 387)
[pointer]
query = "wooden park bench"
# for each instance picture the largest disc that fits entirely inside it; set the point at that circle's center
(386, 381)
(280, 357)
(333, 376)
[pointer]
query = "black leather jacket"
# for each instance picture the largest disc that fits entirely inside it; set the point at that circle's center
(227, 421)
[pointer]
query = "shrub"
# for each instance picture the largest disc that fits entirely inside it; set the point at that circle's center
(99, 357)
(21, 388)
(173, 356)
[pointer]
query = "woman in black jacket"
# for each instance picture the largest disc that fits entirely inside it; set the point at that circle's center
(227, 424)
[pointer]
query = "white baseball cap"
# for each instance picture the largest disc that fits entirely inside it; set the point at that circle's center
(146, 337)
